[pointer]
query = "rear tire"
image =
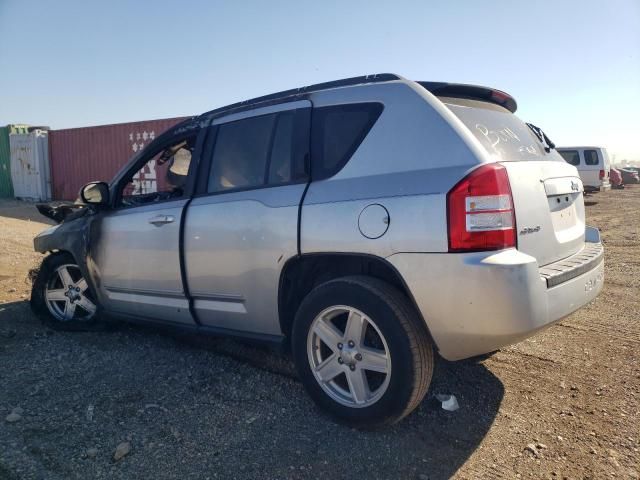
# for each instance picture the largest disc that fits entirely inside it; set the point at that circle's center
(361, 351)
(61, 297)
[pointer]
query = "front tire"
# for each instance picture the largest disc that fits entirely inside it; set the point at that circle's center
(361, 351)
(61, 296)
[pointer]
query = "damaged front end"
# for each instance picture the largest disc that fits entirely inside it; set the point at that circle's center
(59, 212)
(72, 235)
(72, 232)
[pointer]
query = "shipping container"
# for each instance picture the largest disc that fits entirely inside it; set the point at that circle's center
(81, 155)
(30, 172)
(6, 186)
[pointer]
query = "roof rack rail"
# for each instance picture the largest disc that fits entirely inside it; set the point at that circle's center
(375, 78)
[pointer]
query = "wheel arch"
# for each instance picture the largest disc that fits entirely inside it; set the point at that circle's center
(73, 237)
(59, 251)
(303, 273)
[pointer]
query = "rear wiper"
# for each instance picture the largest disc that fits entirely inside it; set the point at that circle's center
(546, 141)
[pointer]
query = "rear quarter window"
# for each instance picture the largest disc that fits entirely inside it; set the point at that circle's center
(336, 133)
(502, 134)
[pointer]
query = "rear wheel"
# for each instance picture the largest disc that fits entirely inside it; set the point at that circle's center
(61, 296)
(361, 351)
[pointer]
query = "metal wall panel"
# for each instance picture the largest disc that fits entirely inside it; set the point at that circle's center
(6, 185)
(30, 173)
(80, 155)
(6, 188)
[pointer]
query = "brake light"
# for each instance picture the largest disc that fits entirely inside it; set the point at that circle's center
(480, 211)
(601, 174)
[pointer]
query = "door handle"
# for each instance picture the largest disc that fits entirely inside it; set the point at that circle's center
(159, 220)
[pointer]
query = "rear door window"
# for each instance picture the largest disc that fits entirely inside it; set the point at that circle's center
(591, 157)
(571, 156)
(501, 133)
(260, 151)
(280, 158)
(240, 153)
(337, 131)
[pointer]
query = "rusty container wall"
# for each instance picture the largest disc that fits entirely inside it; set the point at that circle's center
(80, 155)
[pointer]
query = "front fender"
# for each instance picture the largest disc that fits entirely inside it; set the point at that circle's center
(67, 236)
(73, 237)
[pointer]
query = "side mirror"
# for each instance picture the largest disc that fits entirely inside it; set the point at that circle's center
(95, 193)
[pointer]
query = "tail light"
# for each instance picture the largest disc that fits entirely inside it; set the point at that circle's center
(601, 174)
(480, 211)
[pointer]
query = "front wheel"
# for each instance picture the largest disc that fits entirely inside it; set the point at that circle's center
(361, 351)
(61, 296)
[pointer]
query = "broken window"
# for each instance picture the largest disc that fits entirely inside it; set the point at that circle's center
(163, 175)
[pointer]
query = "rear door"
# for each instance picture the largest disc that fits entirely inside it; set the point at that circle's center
(547, 191)
(242, 226)
(594, 166)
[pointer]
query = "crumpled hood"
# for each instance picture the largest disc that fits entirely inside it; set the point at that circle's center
(59, 212)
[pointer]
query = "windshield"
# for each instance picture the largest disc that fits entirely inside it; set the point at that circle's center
(501, 133)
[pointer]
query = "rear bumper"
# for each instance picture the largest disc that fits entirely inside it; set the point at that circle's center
(601, 187)
(475, 303)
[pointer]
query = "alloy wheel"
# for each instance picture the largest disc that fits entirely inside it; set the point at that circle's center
(67, 295)
(349, 356)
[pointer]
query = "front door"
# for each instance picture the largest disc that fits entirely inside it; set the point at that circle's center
(136, 252)
(242, 226)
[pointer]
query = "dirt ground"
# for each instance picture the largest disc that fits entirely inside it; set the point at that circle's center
(564, 404)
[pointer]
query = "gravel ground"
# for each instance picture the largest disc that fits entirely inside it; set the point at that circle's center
(563, 404)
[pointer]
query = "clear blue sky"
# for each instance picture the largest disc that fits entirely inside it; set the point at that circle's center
(573, 65)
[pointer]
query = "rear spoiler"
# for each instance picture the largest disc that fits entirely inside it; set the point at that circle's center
(473, 92)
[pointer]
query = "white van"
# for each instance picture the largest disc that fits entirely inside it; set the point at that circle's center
(592, 164)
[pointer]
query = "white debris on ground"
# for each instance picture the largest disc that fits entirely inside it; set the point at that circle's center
(449, 402)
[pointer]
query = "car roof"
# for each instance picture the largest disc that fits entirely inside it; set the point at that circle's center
(461, 90)
(295, 92)
(580, 148)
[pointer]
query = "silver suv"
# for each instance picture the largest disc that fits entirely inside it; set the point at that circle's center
(364, 223)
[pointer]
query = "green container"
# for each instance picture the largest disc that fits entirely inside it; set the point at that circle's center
(6, 187)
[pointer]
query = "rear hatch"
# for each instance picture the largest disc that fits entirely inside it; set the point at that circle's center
(547, 191)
